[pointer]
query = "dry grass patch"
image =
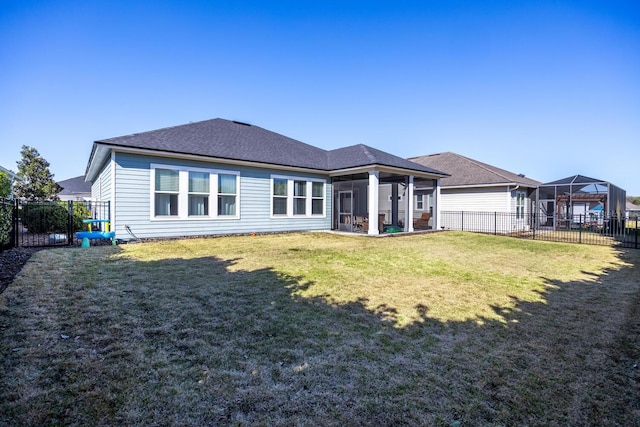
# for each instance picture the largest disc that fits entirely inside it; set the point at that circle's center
(320, 329)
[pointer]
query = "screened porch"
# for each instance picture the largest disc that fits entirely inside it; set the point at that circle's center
(403, 203)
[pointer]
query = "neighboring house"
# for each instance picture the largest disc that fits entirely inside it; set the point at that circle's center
(220, 177)
(573, 200)
(12, 175)
(632, 211)
(475, 186)
(75, 189)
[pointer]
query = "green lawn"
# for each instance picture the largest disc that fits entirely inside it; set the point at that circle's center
(450, 329)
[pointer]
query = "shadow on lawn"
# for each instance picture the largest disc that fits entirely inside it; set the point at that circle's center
(199, 342)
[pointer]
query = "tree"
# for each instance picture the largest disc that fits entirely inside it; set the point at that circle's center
(36, 182)
(633, 199)
(5, 185)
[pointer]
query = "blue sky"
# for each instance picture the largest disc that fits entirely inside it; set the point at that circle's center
(545, 88)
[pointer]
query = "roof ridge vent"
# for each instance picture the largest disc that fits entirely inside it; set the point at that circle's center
(240, 123)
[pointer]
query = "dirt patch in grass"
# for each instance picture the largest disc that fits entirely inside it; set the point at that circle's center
(11, 262)
(314, 329)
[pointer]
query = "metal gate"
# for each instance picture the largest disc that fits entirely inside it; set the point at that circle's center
(41, 224)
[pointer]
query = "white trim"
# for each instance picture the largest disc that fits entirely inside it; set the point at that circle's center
(501, 184)
(410, 207)
(183, 193)
(290, 196)
(436, 209)
(382, 168)
(112, 196)
(374, 182)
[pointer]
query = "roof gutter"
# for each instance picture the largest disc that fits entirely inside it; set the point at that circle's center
(99, 155)
(501, 184)
(97, 158)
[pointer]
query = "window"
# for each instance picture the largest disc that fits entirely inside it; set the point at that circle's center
(226, 195)
(317, 198)
(198, 193)
(279, 196)
(166, 192)
(193, 193)
(297, 197)
(419, 202)
(520, 198)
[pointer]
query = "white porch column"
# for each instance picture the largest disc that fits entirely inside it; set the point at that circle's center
(374, 180)
(409, 216)
(436, 210)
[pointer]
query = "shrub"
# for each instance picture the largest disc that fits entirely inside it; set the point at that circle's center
(6, 210)
(53, 217)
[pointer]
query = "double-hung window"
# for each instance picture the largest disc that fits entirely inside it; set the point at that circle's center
(280, 197)
(227, 195)
(193, 193)
(317, 198)
(419, 202)
(198, 193)
(520, 198)
(166, 192)
(300, 197)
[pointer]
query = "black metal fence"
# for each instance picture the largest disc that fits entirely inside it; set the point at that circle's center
(587, 228)
(7, 231)
(39, 224)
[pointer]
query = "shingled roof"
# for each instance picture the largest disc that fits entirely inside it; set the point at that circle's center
(465, 171)
(236, 141)
(74, 186)
(576, 179)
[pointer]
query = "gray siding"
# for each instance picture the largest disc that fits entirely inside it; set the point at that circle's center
(482, 199)
(101, 187)
(133, 203)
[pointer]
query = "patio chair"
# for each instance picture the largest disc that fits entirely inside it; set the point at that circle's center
(422, 223)
(360, 223)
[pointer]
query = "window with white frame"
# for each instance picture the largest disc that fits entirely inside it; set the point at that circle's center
(193, 193)
(166, 192)
(279, 198)
(292, 196)
(317, 198)
(227, 194)
(198, 193)
(520, 204)
(419, 202)
(299, 197)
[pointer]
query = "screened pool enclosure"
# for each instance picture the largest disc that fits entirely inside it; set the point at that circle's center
(579, 200)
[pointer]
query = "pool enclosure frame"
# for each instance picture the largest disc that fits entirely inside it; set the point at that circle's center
(577, 200)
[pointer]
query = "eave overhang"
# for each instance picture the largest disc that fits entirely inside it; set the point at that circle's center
(101, 152)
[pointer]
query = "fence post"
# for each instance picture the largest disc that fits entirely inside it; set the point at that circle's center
(495, 223)
(462, 221)
(69, 221)
(580, 232)
(15, 220)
